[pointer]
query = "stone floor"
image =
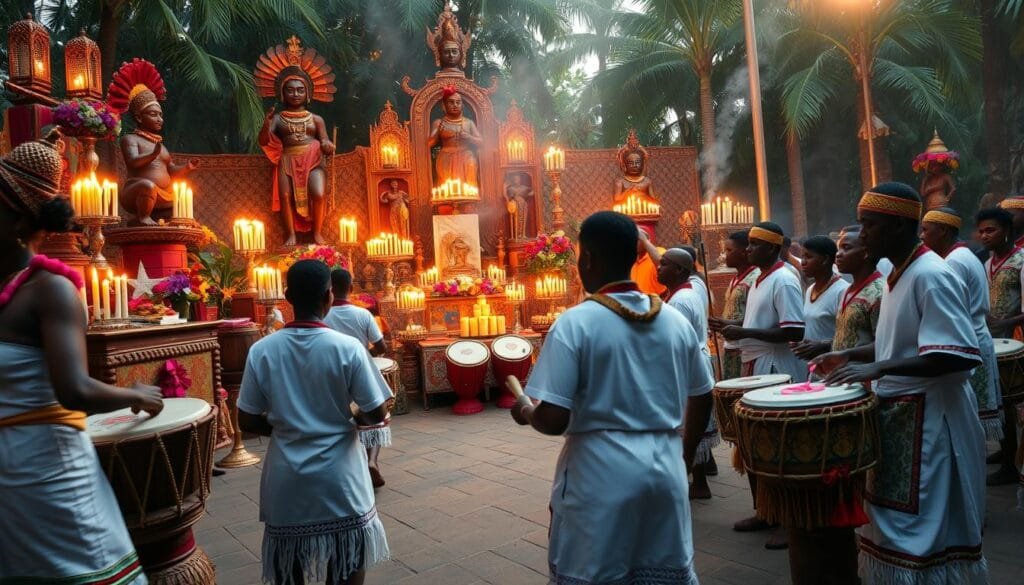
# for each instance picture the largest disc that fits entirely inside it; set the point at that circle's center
(466, 503)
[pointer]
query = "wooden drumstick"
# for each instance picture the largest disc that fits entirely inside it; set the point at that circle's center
(513, 385)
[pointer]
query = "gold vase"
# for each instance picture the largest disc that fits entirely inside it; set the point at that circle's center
(88, 160)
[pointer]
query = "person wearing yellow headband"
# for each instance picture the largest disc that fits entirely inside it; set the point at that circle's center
(1015, 205)
(925, 497)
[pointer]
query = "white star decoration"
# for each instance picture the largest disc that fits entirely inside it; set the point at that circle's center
(142, 283)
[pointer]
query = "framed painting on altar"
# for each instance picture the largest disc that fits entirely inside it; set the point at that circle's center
(457, 245)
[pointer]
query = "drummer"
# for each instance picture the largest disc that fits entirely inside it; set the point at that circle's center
(926, 500)
(616, 375)
(355, 321)
(1015, 205)
(675, 271)
(822, 299)
(736, 298)
(940, 229)
(316, 497)
(61, 520)
(1005, 269)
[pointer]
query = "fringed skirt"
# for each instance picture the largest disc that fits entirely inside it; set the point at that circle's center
(376, 435)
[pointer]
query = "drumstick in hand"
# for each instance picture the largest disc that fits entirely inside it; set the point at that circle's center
(513, 385)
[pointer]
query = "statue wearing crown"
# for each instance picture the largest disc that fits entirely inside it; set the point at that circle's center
(633, 162)
(137, 87)
(295, 139)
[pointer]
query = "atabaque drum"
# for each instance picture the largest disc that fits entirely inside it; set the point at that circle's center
(727, 392)
(160, 469)
(511, 355)
(466, 365)
(389, 369)
(1010, 358)
(810, 447)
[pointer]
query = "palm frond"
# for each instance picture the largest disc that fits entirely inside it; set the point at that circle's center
(807, 93)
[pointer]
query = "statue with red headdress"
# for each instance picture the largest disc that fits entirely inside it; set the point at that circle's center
(295, 139)
(457, 136)
(137, 87)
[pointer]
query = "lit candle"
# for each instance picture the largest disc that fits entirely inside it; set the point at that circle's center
(464, 327)
(474, 328)
(105, 298)
(95, 295)
(117, 298)
(124, 296)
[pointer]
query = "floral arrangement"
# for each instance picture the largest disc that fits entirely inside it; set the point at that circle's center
(364, 300)
(176, 288)
(223, 275)
(173, 380)
(548, 252)
(87, 118)
(326, 254)
(937, 162)
(464, 286)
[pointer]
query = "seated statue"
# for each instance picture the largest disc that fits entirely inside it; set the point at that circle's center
(633, 162)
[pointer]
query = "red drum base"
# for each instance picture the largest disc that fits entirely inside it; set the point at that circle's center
(466, 364)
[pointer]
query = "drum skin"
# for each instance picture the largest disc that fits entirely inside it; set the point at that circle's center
(1010, 359)
(726, 397)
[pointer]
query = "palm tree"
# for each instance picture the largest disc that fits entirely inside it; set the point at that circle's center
(920, 51)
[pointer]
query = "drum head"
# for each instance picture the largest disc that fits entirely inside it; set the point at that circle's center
(385, 364)
(753, 382)
(773, 398)
(1005, 347)
(511, 347)
(467, 353)
(122, 424)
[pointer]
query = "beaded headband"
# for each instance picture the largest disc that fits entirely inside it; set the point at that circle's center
(766, 235)
(1015, 202)
(889, 205)
(936, 216)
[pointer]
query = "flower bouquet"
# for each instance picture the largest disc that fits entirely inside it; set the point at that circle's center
(221, 273)
(326, 254)
(937, 162)
(465, 286)
(87, 119)
(176, 289)
(549, 252)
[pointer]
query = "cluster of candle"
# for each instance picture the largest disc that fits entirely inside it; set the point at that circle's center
(102, 308)
(410, 299)
(388, 245)
(496, 274)
(547, 319)
(552, 287)
(725, 211)
(249, 235)
(636, 205)
(515, 292)
(554, 159)
(516, 150)
(347, 230)
(268, 283)
(389, 156)
(182, 201)
(454, 189)
(482, 323)
(90, 198)
(430, 277)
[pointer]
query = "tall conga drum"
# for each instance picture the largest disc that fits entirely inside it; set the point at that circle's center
(1010, 358)
(727, 392)
(810, 451)
(389, 369)
(511, 355)
(160, 469)
(466, 365)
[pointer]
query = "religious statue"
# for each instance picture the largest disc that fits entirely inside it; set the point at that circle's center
(398, 208)
(456, 134)
(295, 139)
(633, 162)
(448, 42)
(516, 196)
(137, 87)
(456, 255)
(937, 163)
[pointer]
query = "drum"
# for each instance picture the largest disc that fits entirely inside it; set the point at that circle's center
(389, 369)
(511, 355)
(1010, 357)
(466, 365)
(727, 392)
(160, 469)
(811, 452)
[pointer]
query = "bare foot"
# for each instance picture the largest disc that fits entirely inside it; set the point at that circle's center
(778, 540)
(700, 491)
(752, 524)
(289, 242)
(376, 477)
(319, 239)
(147, 221)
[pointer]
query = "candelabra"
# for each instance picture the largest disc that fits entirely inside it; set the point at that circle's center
(517, 325)
(346, 249)
(250, 265)
(96, 240)
(389, 272)
(239, 456)
(557, 213)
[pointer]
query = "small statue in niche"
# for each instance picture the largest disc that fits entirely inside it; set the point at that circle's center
(517, 195)
(633, 162)
(398, 202)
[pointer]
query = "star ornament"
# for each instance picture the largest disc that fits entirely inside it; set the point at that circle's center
(142, 283)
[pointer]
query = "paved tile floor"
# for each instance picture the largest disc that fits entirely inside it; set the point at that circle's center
(466, 503)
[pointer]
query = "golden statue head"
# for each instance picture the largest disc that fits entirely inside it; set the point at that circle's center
(632, 157)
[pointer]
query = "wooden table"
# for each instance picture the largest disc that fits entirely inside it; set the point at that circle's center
(433, 368)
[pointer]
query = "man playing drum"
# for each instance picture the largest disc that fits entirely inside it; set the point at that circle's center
(316, 497)
(354, 321)
(926, 497)
(617, 375)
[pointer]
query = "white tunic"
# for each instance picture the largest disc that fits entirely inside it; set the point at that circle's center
(774, 301)
(692, 302)
(355, 321)
(820, 314)
(619, 502)
(926, 497)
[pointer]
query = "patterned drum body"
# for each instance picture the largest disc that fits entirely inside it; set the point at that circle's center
(810, 454)
(389, 369)
(466, 366)
(727, 392)
(512, 355)
(1010, 357)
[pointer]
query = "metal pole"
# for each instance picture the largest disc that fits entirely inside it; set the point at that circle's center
(755, 110)
(865, 79)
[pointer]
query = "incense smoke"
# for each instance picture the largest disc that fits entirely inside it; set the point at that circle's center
(716, 162)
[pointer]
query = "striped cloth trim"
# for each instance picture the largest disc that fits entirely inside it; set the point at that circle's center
(122, 572)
